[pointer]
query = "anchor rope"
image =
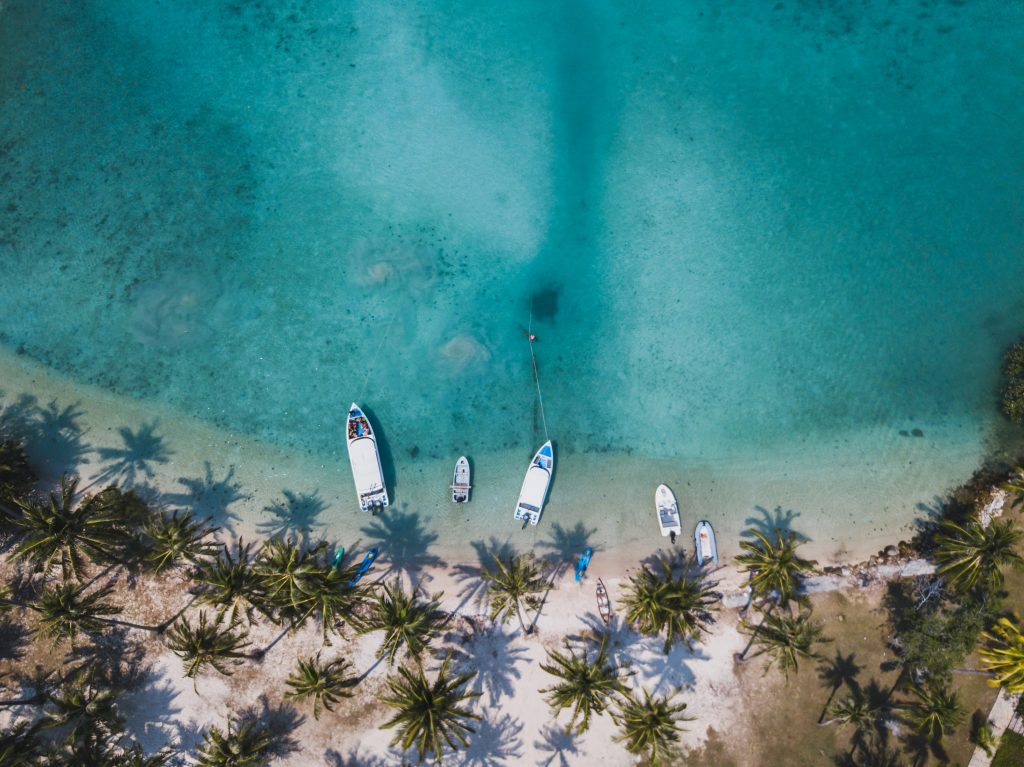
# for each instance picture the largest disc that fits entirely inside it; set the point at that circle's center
(536, 374)
(376, 354)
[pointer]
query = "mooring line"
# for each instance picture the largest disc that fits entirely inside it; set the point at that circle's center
(536, 374)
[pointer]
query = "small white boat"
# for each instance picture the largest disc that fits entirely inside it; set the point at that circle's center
(535, 485)
(704, 540)
(668, 511)
(365, 460)
(460, 481)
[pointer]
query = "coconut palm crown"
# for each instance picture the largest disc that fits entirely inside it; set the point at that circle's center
(231, 584)
(245, 744)
(176, 538)
(65, 610)
(680, 607)
(785, 639)
(66, 533)
(323, 683)
(935, 713)
(206, 644)
(1003, 655)
(650, 726)
(511, 586)
(773, 567)
(431, 715)
(970, 555)
(584, 686)
(406, 620)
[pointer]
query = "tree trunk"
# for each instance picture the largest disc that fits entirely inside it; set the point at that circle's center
(742, 657)
(828, 703)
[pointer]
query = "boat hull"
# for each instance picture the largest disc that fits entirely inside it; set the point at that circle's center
(461, 481)
(534, 492)
(705, 543)
(666, 508)
(364, 458)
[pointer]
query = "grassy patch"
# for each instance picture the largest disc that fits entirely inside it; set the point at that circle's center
(1011, 751)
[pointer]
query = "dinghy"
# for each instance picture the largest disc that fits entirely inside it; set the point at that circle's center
(581, 568)
(668, 512)
(365, 460)
(364, 566)
(604, 605)
(704, 539)
(460, 481)
(535, 485)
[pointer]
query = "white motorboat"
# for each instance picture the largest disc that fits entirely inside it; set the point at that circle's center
(535, 485)
(668, 511)
(365, 460)
(460, 481)
(704, 540)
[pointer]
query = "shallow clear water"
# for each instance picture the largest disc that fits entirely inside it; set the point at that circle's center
(762, 245)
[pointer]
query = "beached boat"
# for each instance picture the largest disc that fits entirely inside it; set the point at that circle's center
(535, 485)
(668, 511)
(604, 604)
(460, 481)
(365, 460)
(704, 540)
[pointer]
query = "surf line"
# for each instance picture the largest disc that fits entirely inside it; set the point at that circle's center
(536, 375)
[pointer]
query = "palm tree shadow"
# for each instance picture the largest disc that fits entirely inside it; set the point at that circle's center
(493, 655)
(209, 497)
(13, 639)
(770, 521)
(663, 672)
(559, 743)
(473, 587)
(406, 540)
(281, 721)
(334, 758)
(141, 449)
(53, 437)
(297, 515)
(150, 709)
(497, 740)
(836, 672)
(566, 544)
(676, 557)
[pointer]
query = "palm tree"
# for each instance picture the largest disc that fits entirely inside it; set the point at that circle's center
(773, 567)
(64, 532)
(232, 585)
(65, 610)
(170, 540)
(330, 596)
(872, 753)
(587, 687)
(19, 745)
(836, 672)
(431, 715)
(512, 585)
(242, 745)
(404, 619)
(785, 639)
(85, 704)
(288, 572)
(855, 710)
(681, 608)
(1003, 655)
(970, 555)
(650, 726)
(323, 683)
(206, 644)
(935, 713)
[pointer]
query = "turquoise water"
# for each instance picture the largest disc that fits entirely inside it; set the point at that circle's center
(762, 244)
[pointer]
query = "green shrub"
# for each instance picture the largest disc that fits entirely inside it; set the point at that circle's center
(1013, 394)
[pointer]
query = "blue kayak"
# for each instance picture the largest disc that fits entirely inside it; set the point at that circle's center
(364, 566)
(581, 568)
(338, 556)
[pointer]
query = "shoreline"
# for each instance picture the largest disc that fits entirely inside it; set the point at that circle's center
(252, 487)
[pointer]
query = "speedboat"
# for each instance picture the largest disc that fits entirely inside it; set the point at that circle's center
(668, 511)
(535, 485)
(365, 460)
